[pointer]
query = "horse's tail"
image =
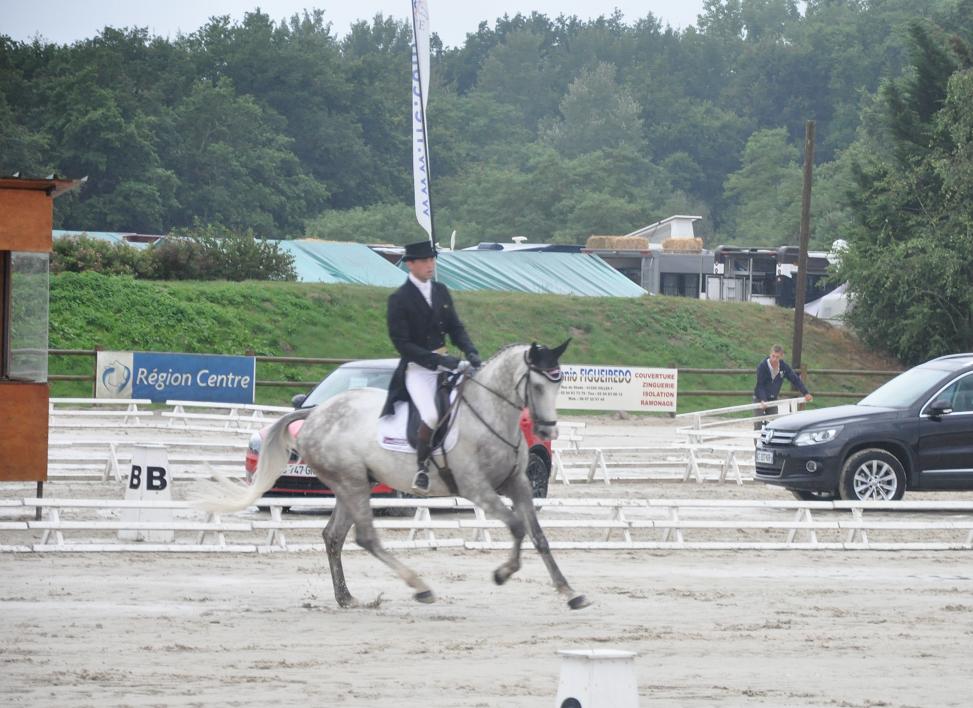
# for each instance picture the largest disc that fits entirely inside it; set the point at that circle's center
(274, 454)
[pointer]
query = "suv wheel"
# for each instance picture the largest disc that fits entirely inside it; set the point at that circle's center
(538, 474)
(872, 475)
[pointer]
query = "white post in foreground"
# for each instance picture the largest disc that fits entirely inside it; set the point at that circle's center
(148, 480)
(597, 678)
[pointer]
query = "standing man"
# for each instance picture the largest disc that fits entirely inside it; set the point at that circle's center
(420, 315)
(770, 377)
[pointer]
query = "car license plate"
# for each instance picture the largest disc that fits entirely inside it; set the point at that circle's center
(765, 457)
(299, 470)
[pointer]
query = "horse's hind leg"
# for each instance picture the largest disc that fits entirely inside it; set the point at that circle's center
(366, 537)
(334, 538)
(520, 493)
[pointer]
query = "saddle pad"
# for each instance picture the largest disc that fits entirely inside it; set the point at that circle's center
(392, 435)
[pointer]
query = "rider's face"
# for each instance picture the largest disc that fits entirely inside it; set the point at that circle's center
(422, 268)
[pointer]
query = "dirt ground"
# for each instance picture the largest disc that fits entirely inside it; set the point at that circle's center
(710, 628)
(726, 628)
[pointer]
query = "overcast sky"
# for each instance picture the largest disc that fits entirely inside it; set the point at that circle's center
(66, 21)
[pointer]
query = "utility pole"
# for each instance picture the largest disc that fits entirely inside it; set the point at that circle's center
(805, 237)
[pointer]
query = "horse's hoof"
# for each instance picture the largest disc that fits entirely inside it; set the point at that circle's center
(578, 602)
(499, 578)
(425, 596)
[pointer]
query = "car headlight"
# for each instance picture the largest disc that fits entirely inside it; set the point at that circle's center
(815, 437)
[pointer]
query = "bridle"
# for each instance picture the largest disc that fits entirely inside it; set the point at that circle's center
(552, 374)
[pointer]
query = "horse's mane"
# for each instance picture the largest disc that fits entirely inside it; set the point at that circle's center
(504, 348)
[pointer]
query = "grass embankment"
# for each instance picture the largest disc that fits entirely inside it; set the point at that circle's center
(309, 320)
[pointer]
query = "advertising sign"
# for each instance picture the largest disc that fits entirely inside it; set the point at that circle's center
(617, 388)
(181, 377)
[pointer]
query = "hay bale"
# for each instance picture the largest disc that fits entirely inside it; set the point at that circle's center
(618, 243)
(683, 245)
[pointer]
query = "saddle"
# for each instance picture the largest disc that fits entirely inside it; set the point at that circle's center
(445, 383)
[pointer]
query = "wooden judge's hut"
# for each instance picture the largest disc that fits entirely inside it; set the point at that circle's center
(26, 219)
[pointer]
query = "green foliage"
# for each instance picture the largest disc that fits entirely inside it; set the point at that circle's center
(597, 115)
(550, 197)
(341, 321)
(910, 262)
(766, 191)
(210, 252)
(203, 252)
(82, 254)
(244, 173)
(269, 124)
(384, 223)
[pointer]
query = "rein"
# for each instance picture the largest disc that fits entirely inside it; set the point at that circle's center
(462, 399)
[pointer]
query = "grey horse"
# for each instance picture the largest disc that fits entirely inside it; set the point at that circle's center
(339, 442)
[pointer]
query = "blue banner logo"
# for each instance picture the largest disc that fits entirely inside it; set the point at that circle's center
(115, 377)
(193, 377)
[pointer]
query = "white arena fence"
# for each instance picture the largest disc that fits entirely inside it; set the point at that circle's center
(93, 439)
(127, 414)
(110, 459)
(717, 445)
(232, 424)
(95, 525)
(712, 448)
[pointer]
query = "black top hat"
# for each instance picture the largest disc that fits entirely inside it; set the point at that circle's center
(422, 249)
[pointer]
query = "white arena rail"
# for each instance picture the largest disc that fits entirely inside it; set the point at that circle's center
(79, 412)
(89, 525)
(689, 459)
(237, 415)
(98, 413)
(725, 423)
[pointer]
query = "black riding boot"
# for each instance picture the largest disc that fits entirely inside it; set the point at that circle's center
(421, 481)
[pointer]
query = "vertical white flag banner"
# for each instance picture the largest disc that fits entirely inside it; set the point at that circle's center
(420, 97)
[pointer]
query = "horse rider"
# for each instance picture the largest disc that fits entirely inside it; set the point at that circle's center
(420, 315)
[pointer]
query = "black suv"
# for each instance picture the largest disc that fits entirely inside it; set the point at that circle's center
(915, 432)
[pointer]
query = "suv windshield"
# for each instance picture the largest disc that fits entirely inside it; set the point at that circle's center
(348, 377)
(904, 389)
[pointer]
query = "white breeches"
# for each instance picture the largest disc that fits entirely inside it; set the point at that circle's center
(420, 382)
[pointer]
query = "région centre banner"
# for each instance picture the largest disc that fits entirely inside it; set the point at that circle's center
(182, 377)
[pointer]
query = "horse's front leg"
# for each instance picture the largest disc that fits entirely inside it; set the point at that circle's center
(487, 499)
(520, 492)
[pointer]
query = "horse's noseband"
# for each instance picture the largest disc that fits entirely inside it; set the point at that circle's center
(552, 374)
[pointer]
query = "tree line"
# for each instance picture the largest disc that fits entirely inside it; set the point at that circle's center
(550, 128)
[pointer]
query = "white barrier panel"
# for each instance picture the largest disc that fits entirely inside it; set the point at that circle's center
(148, 480)
(609, 524)
(597, 678)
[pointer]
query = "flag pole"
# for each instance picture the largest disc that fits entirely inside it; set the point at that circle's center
(420, 158)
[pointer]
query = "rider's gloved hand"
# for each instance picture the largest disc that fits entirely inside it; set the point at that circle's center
(475, 361)
(448, 362)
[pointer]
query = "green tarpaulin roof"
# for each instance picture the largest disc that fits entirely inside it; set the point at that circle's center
(332, 262)
(533, 272)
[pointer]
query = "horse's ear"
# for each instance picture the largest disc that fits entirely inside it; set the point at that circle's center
(532, 353)
(559, 350)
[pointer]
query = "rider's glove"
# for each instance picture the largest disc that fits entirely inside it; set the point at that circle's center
(475, 361)
(448, 362)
